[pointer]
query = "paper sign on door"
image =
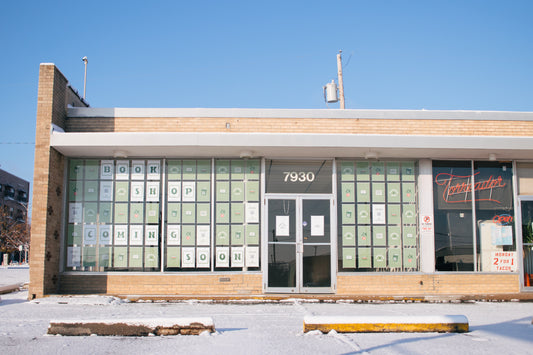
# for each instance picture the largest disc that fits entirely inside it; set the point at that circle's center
(317, 226)
(282, 226)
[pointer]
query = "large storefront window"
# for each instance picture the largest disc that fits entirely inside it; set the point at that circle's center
(237, 214)
(153, 215)
(377, 216)
(490, 246)
(114, 215)
(188, 215)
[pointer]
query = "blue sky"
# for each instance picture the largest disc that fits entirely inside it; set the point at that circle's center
(411, 54)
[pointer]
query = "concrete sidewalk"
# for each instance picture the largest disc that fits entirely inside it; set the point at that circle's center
(262, 328)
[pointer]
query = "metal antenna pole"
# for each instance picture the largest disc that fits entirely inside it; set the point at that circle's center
(341, 85)
(85, 76)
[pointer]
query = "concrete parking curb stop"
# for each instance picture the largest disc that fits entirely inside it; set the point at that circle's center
(137, 327)
(9, 288)
(377, 324)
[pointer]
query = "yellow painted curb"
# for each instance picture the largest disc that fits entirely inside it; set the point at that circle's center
(384, 324)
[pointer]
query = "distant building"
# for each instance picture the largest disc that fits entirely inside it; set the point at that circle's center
(14, 193)
(276, 203)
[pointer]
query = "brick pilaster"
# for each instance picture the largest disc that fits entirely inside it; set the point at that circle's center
(48, 183)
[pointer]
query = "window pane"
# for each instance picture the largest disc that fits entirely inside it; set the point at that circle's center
(106, 232)
(377, 215)
(527, 239)
(494, 211)
(454, 247)
(237, 211)
(525, 178)
(282, 265)
(285, 176)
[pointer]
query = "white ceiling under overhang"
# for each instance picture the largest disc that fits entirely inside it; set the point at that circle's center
(289, 145)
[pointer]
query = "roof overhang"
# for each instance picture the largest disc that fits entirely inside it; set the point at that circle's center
(117, 112)
(290, 145)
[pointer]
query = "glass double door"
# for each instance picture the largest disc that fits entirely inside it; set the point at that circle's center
(300, 245)
(527, 241)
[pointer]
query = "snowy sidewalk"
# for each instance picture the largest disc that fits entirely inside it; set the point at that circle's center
(267, 328)
(264, 328)
(13, 277)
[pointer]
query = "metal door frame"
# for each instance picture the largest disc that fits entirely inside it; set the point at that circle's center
(520, 245)
(299, 288)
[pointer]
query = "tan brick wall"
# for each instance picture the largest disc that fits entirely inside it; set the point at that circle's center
(164, 284)
(303, 125)
(427, 284)
(48, 188)
(356, 285)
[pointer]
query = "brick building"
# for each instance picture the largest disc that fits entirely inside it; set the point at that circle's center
(14, 192)
(274, 202)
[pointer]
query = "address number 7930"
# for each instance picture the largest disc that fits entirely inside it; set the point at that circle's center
(298, 176)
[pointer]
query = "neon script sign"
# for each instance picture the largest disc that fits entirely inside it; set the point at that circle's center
(503, 220)
(455, 185)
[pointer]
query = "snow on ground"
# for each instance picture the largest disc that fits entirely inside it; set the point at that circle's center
(265, 328)
(14, 275)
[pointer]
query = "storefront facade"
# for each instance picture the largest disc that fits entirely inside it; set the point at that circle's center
(272, 203)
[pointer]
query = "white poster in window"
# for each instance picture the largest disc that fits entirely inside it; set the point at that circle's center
(189, 191)
(151, 235)
(174, 191)
(104, 235)
(502, 235)
(503, 261)
(378, 214)
(203, 213)
(222, 257)
(90, 213)
(89, 235)
(317, 226)
(136, 235)
(187, 257)
(152, 213)
(121, 235)
(75, 212)
(152, 191)
(154, 170)
(106, 169)
(74, 257)
(122, 171)
(137, 191)
(252, 212)
(282, 226)
(237, 257)
(137, 170)
(252, 256)
(203, 236)
(106, 190)
(173, 235)
(202, 257)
